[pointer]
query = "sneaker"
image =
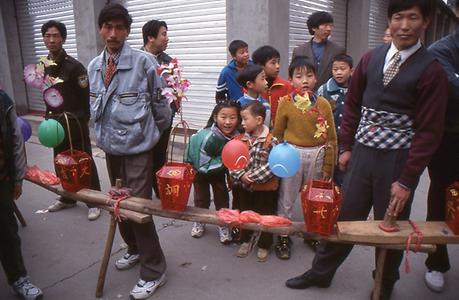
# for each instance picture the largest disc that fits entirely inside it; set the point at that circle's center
(58, 205)
(127, 261)
(93, 213)
(224, 235)
(313, 244)
(262, 254)
(198, 230)
(24, 288)
(236, 235)
(435, 281)
(144, 289)
(243, 250)
(283, 247)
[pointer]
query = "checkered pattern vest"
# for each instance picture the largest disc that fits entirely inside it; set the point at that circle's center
(388, 111)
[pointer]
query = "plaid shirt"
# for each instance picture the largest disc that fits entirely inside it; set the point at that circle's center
(258, 163)
(384, 130)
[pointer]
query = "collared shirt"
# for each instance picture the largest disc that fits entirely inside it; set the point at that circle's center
(404, 54)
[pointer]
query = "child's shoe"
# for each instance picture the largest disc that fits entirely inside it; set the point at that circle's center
(262, 254)
(283, 247)
(198, 230)
(243, 250)
(224, 235)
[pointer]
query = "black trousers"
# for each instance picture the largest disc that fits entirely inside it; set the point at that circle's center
(10, 243)
(202, 184)
(82, 142)
(443, 171)
(264, 203)
(160, 156)
(141, 239)
(367, 183)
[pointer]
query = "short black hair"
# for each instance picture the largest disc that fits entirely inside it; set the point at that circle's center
(249, 73)
(425, 6)
(256, 109)
(301, 62)
(344, 58)
(236, 45)
(151, 28)
(52, 23)
(114, 11)
(263, 54)
(318, 18)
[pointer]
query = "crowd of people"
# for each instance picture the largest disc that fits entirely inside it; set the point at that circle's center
(371, 129)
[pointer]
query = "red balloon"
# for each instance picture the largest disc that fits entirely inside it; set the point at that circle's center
(235, 155)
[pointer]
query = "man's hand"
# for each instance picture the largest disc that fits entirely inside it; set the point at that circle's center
(246, 180)
(17, 190)
(344, 160)
(325, 176)
(398, 198)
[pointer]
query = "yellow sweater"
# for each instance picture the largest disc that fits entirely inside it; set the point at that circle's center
(313, 127)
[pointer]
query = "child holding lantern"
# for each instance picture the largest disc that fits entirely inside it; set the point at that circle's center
(305, 120)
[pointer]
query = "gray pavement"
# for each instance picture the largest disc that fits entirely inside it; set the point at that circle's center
(63, 251)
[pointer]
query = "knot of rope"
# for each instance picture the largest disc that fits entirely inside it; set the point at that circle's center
(415, 234)
(118, 194)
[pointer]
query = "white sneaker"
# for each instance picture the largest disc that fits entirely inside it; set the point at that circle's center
(224, 235)
(198, 230)
(127, 261)
(435, 281)
(58, 205)
(244, 250)
(144, 289)
(24, 288)
(93, 213)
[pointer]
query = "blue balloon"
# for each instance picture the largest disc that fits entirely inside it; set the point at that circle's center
(284, 160)
(25, 127)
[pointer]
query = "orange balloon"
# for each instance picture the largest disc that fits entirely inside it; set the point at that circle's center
(235, 155)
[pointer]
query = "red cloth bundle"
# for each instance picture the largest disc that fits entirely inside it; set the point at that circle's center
(43, 176)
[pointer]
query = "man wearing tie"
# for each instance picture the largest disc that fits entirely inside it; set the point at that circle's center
(392, 125)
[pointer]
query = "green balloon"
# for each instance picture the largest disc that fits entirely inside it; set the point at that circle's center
(50, 133)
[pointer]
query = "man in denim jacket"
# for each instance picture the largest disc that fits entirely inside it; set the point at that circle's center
(129, 115)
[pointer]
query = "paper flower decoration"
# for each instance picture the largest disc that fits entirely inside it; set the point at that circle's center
(53, 98)
(176, 86)
(33, 76)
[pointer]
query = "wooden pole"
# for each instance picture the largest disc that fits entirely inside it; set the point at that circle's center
(107, 251)
(19, 215)
(382, 253)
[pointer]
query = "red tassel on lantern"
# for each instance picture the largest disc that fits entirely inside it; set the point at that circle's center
(174, 184)
(321, 201)
(452, 207)
(73, 167)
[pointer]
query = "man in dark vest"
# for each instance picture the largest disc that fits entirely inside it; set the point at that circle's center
(75, 95)
(392, 125)
(12, 171)
(320, 49)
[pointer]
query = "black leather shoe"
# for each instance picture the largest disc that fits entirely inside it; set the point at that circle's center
(305, 281)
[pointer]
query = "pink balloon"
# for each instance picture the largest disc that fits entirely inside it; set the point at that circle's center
(235, 155)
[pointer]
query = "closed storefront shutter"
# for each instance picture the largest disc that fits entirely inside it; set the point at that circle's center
(300, 10)
(32, 14)
(377, 22)
(197, 38)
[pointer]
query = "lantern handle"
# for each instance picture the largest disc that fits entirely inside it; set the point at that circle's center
(65, 113)
(184, 125)
(313, 166)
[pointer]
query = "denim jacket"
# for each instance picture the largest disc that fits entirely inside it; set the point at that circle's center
(130, 114)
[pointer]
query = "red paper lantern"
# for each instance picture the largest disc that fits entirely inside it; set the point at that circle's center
(235, 155)
(73, 167)
(321, 201)
(174, 184)
(452, 207)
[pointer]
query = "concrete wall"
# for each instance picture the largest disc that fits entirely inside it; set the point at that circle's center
(262, 22)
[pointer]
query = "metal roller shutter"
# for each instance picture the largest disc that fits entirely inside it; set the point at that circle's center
(300, 10)
(377, 22)
(197, 37)
(32, 14)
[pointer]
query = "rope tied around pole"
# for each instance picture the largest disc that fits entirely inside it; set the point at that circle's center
(419, 236)
(118, 193)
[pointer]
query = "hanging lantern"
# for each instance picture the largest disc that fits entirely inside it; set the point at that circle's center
(321, 201)
(174, 184)
(452, 207)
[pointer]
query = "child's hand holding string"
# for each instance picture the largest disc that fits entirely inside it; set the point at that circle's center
(246, 180)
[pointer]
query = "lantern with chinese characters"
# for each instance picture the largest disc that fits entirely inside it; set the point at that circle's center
(174, 184)
(452, 207)
(321, 201)
(73, 167)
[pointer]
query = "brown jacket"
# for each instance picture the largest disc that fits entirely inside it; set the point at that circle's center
(324, 71)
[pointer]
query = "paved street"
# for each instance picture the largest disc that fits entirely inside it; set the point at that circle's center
(63, 250)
